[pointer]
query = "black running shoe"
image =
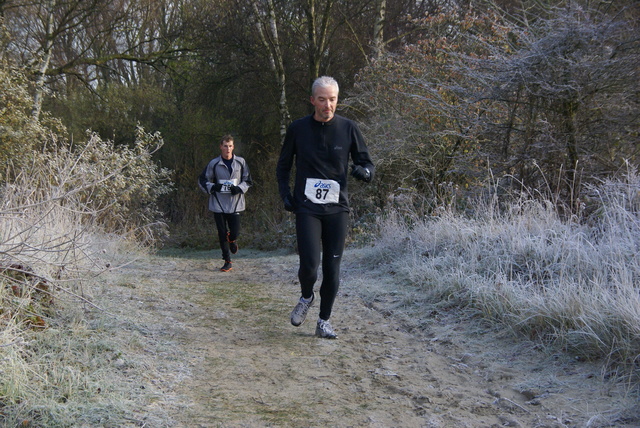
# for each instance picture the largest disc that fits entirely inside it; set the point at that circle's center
(233, 245)
(227, 266)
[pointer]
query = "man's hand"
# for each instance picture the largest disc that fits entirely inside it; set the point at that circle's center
(289, 204)
(360, 173)
(235, 190)
(215, 188)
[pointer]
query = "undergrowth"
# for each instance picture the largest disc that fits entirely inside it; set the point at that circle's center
(567, 283)
(66, 216)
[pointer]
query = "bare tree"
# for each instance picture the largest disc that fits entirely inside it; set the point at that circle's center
(90, 40)
(417, 128)
(553, 102)
(317, 32)
(268, 30)
(569, 89)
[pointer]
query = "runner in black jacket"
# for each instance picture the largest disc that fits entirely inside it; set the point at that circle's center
(321, 145)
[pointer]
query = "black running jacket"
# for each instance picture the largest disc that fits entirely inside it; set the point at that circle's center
(321, 151)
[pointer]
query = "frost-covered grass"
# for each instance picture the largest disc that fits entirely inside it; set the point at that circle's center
(57, 234)
(571, 283)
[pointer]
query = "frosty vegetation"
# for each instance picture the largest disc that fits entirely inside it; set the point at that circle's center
(569, 284)
(67, 212)
(506, 149)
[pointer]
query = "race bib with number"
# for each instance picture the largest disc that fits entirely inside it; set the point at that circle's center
(227, 184)
(322, 191)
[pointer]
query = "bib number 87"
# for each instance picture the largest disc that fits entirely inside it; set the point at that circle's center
(321, 193)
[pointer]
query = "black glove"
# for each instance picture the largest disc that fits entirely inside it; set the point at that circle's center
(216, 188)
(289, 205)
(360, 173)
(235, 190)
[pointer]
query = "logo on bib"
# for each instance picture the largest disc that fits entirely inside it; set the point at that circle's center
(322, 185)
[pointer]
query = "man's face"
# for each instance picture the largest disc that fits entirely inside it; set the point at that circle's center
(325, 101)
(226, 149)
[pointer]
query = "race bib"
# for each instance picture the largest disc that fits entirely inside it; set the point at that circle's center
(227, 184)
(322, 191)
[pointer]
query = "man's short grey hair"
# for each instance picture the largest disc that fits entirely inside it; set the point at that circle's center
(324, 82)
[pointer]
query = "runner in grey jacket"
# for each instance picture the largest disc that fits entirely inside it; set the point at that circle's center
(226, 179)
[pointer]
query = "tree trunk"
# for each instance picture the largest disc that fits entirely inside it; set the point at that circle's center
(44, 63)
(378, 29)
(317, 35)
(272, 45)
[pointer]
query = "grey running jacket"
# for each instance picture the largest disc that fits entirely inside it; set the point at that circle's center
(217, 172)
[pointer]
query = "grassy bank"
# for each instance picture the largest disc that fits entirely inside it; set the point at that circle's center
(568, 283)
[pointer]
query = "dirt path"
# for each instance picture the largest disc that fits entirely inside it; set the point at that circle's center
(203, 348)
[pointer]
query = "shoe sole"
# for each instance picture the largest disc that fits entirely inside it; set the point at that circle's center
(319, 335)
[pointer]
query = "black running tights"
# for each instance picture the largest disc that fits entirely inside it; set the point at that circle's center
(227, 223)
(316, 233)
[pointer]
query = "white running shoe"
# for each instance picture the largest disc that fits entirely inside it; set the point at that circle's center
(324, 330)
(299, 313)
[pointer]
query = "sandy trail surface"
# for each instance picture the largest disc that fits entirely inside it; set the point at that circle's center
(202, 348)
